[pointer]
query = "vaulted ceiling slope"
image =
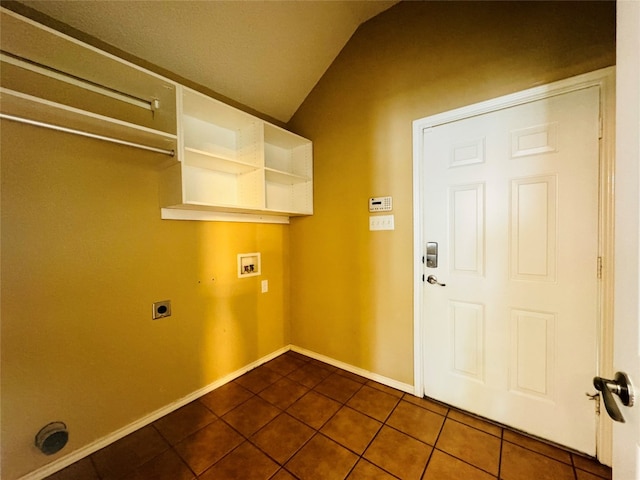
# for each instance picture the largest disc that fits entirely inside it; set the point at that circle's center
(266, 55)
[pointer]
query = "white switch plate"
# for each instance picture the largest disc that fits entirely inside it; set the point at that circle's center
(381, 222)
(265, 286)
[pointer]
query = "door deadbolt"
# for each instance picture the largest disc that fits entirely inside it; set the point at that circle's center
(432, 255)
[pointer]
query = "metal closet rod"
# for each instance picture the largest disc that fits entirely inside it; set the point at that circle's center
(58, 128)
(50, 72)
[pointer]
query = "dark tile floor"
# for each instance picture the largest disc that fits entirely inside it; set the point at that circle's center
(295, 417)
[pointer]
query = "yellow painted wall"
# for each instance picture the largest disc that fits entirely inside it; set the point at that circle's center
(352, 290)
(84, 256)
(84, 252)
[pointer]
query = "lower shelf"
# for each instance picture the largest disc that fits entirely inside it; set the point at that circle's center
(30, 108)
(211, 216)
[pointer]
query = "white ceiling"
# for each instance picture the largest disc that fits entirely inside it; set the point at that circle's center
(267, 55)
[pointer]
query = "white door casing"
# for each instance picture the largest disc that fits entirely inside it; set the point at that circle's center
(491, 356)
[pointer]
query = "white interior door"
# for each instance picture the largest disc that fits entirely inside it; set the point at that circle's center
(511, 199)
(626, 440)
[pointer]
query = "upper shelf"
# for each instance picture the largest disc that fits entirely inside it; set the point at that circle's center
(79, 86)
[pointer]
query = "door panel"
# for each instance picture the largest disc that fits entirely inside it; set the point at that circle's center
(511, 197)
(533, 228)
(467, 228)
(626, 438)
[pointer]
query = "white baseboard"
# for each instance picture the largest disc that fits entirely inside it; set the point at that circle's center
(389, 382)
(93, 447)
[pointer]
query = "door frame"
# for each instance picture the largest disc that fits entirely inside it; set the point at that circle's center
(605, 80)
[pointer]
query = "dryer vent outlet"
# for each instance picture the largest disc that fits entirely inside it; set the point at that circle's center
(52, 438)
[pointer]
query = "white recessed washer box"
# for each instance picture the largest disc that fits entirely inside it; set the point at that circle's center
(248, 265)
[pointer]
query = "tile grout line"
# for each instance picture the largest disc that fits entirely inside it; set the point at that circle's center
(95, 468)
(435, 442)
(382, 424)
(433, 449)
(222, 458)
(242, 435)
(282, 411)
(521, 433)
(446, 417)
(505, 428)
(343, 405)
(195, 476)
(172, 446)
(500, 455)
(573, 466)
(542, 453)
(153, 458)
(501, 438)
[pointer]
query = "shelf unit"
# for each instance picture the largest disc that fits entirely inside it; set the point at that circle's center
(232, 162)
(226, 164)
(288, 171)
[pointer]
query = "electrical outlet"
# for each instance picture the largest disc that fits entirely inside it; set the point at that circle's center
(162, 309)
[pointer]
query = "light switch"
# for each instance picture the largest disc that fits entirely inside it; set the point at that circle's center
(265, 286)
(381, 222)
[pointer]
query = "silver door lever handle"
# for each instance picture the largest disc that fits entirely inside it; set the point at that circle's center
(433, 280)
(621, 386)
